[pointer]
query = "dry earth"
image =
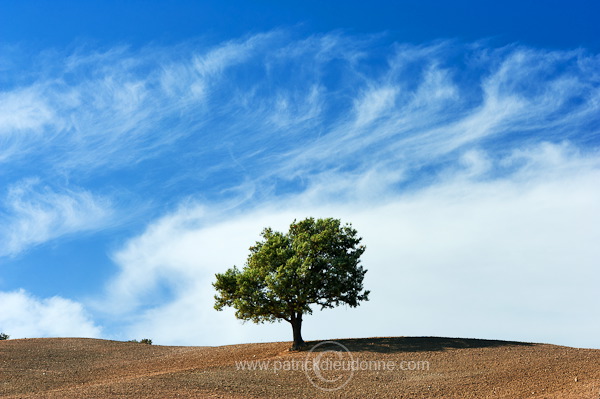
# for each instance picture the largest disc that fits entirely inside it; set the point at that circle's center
(441, 368)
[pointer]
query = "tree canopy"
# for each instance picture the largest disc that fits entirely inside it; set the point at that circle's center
(317, 262)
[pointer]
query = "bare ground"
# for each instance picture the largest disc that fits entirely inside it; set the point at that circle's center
(398, 367)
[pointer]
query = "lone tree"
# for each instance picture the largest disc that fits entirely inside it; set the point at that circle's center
(316, 263)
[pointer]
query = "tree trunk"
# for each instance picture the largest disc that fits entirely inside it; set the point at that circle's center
(296, 322)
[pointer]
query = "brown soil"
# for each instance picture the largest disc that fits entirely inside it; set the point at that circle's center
(441, 368)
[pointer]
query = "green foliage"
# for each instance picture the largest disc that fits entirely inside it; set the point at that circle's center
(143, 341)
(4, 337)
(317, 262)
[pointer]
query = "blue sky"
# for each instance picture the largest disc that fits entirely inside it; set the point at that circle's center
(144, 146)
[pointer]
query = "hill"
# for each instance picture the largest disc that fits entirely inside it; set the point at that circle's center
(398, 367)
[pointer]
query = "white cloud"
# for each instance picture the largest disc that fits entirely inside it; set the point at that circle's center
(512, 258)
(25, 316)
(37, 214)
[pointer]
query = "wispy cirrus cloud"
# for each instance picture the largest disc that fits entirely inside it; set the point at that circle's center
(293, 98)
(523, 95)
(34, 213)
(110, 108)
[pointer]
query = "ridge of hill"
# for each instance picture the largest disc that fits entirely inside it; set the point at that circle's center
(389, 367)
